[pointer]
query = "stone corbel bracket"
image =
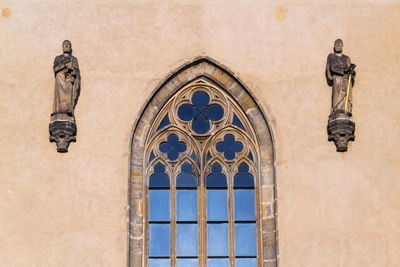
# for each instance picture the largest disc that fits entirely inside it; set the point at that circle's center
(341, 130)
(62, 129)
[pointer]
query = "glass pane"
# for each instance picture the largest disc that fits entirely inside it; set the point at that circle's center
(218, 262)
(237, 122)
(159, 240)
(243, 178)
(152, 156)
(245, 239)
(217, 239)
(186, 263)
(159, 178)
(186, 205)
(186, 178)
(244, 205)
(229, 147)
(217, 205)
(186, 112)
(186, 239)
(172, 147)
(246, 262)
(215, 112)
(200, 124)
(216, 178)
(164, 122)
(200, 99)
(159, 263)
(159, 205)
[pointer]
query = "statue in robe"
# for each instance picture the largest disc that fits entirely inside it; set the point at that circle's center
(67, 81)
(340, 75)
(67, 87)
(338, 72)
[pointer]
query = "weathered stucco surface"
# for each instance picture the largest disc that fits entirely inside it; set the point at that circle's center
(334, 209)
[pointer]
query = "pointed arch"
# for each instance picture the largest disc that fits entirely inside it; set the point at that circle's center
(208, 69)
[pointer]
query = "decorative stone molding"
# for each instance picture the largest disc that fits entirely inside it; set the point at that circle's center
(341, 130)
(202, 68)
(62, 130)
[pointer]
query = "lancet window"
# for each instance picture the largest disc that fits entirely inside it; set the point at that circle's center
(201, 167)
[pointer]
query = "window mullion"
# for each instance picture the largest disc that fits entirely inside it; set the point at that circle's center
(173, 223)
(231, 221)
(202, 220)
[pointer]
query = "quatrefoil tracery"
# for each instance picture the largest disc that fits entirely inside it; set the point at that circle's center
(200, 112)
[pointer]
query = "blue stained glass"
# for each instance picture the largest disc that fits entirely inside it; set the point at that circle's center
(250, 156)
(243, 178)
(245, 239)
(200, 125)
(229, 147)
(186, 112)
(200, 112)
(159, 263)
(186, 263)
(237, 122)
(172, 147)
(159, 178)
(200, 99)
(208, 155)
(193, 156)
(186, 205)
(217, 205)
(218, 262)
(217, 237)
(216, 178)
(186, 178)
(159, 168)
(243, 167)
(244, 205)
(152, 156)
(159, 242)
(186, 240)
(159, 205)
(246, 262)
(216, 167)
(164, 122)
(215, 112)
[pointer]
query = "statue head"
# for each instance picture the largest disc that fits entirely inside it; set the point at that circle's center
(67, 47)
(338, 46)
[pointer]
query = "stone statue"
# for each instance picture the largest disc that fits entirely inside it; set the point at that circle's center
(68, 81)
(340, 75)
(66, 92)
(339, 71)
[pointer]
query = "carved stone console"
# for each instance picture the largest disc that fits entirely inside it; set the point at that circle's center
(341, 130)
(62, 130)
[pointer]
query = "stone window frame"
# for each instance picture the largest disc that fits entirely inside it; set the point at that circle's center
(211, 70)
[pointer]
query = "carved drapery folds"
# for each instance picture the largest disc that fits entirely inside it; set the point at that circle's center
(62, 126)
(340, 76)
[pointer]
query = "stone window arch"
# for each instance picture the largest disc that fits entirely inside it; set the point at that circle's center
(201, 138)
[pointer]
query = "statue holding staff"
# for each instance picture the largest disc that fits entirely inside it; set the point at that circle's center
(340, 73)
(67, 81)
(67, 87)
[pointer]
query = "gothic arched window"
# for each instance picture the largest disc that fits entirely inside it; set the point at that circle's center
(200, 178)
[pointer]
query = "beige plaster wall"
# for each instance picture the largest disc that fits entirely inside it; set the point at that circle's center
(334, 209)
